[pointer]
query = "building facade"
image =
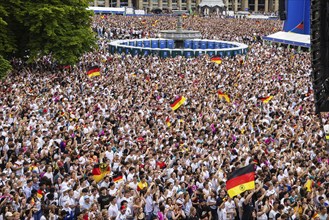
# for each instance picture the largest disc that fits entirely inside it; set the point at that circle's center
(231, 5)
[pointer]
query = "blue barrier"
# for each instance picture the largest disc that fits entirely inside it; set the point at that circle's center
(162, 44)
(170, 44)
(203, 45)
(221, 53)
(147, 43)
(164, 53)
(165, 48)
(139, 43)
(195, 44)
(127, 50)
(188, 53)
(145, 52)
(135, 51)
(211, 45)
(119, 49)
(211, 53)
(155, 44)
(188, 44)
(112, 49)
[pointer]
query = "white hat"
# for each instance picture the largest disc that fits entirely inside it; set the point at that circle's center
(65, 188)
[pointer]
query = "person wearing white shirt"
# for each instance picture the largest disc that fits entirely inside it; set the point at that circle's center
(113, 210)
(105, 183)
(28, 188)
(130, 175)
(229, 209)
(64, 197)
(134, 183)
(18, 165)
(49, 174)
(124, 213)
(85, 203)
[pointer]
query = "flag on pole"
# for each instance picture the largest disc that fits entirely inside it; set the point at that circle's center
(223, 95)
(300, 26)
(100, 171)
(177, 103)
(217, 60)
(93, 71)
(265, 99)
(240, 180)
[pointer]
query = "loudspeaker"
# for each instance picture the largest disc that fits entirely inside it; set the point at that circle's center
(320, 53)
(282, 10)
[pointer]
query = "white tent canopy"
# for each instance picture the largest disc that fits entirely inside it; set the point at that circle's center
(212, 3)
(290, 38)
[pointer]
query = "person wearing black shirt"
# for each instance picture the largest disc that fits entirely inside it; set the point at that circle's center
(104, 199)
(248, 205)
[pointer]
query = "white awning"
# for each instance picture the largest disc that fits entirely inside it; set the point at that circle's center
(290, 38)
(212, 3)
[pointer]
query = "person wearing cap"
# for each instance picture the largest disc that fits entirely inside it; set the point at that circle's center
(64, 198)
(122, 215)
(86, 203)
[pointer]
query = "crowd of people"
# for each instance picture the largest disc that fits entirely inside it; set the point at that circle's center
(56, 125)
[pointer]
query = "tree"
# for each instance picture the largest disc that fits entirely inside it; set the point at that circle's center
(5, 67)
(42, 27)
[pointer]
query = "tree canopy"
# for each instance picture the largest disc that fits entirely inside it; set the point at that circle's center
(33, 28)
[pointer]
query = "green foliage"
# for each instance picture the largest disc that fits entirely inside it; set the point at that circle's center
(5, 67)
(41, 27)
(7, 44)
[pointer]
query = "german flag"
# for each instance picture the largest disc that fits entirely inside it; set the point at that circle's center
(168, 122)
(93, 71)
(39, 194)
(177, 103)
(141, 186)
(217, 60)
(100, 171)
(265, 99)
(240, 180)
(117, 178)
(223, 95)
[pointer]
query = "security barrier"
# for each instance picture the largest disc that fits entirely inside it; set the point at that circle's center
(166, 48)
